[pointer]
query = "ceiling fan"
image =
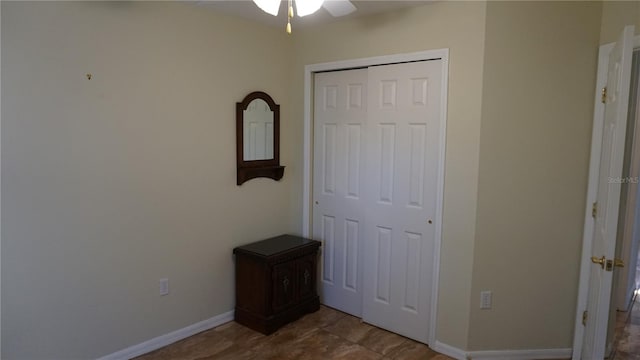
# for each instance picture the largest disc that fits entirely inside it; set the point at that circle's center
(305, 7)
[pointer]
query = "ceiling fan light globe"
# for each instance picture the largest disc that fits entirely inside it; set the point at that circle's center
(269, 6)
(339, 8)
(306, 7)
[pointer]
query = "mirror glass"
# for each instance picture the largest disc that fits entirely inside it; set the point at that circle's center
(258, 131)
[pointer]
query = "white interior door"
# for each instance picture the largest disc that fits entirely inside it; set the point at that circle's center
(608, 198)
(340, 114)
(403, 147)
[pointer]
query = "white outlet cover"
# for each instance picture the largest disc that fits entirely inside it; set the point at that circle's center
(485, 300)
(164, 286)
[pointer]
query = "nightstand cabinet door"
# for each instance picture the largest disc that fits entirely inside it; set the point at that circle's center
(306, 276)
(283, 286)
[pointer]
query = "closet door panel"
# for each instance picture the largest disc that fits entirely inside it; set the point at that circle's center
(339, 122)
(402, 135)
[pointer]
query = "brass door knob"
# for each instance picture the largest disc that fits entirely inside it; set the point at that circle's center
(599, 261)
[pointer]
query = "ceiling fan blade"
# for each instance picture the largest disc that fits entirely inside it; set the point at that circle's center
(339, 7)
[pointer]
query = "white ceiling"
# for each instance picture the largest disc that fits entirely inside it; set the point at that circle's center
(248, 10)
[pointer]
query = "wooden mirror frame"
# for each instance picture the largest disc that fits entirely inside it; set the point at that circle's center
(250, 169)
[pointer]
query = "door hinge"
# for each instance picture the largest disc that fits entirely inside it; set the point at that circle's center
(604, 95)
(594, 210)
(584, 318)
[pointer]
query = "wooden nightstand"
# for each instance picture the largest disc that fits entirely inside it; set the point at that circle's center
(275, 282)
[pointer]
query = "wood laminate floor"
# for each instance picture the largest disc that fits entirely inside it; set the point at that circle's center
(325, 334)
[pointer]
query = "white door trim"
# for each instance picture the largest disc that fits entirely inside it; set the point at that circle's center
(592, 189)
(309, 70)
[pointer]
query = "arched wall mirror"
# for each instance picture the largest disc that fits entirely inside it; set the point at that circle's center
(258, 138)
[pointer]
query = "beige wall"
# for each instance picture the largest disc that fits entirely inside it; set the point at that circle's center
(110, 184)
(458, 26)
(539, 78)
(617, 14)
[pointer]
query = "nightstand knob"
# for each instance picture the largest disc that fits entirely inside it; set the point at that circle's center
(285, 283)
(306, 276)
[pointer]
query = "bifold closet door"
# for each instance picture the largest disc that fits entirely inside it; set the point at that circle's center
(340, 110)
(403, 144)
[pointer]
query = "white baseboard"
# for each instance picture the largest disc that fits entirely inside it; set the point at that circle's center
(449, 350)
(537, 354)
(521, 354)
(166, 339)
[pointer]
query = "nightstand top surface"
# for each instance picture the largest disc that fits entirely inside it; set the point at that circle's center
(276, 245)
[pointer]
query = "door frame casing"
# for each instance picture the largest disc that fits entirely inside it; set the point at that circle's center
(309, 70)
(592, 193)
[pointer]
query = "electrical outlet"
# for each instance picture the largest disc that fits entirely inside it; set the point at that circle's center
(164, 287)
(485, 299)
